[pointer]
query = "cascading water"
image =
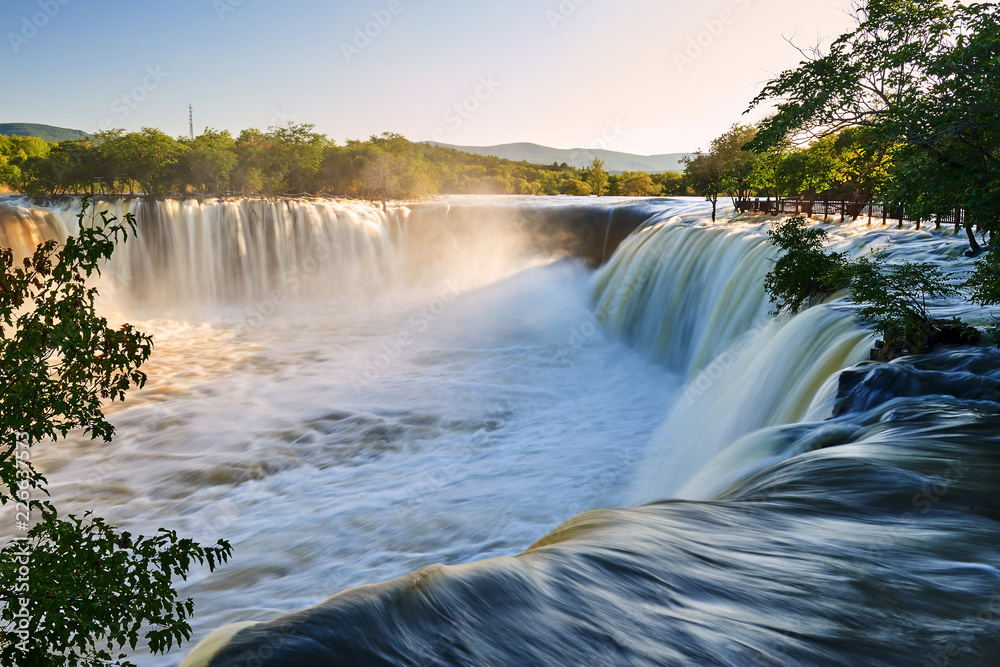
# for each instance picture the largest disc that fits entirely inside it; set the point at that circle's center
(438, 389)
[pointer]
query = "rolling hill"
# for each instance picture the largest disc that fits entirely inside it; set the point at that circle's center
(614, 161)
(46, 132)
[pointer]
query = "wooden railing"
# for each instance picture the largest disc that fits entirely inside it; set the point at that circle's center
(845, 209)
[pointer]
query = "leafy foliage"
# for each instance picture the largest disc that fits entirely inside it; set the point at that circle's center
(804, 271)
(292, 159)
(94, 589)
(575, 188)
(706, 173)
(728, 168)
(90, 588)
(984, 283)
(919, 79)
(597, 178)
(895, 299)
(59, 358)
(637, 184)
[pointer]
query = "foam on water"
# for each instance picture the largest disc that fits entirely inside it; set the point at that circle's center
(462, 409)
(440, 387)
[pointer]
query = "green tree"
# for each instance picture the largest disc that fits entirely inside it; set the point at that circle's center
(597, 177)
(381, 177)
(148, 158)
(894, 301)
(672, 183)
(866, 164)
(296, 152)
(27, 163)
(739, 167)
(89, 587)
(812, 170)
(575, 187)
(638, 184)
(704, 171)
(251, 151)
(804, 272)
(209, 164)
(110, 161)
(920, 78)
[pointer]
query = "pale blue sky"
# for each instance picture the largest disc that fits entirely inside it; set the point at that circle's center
(626, 75)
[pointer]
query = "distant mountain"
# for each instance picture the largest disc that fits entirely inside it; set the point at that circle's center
(614, 161)
(46, 132)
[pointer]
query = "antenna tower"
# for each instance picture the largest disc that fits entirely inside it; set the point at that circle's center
(191, 121)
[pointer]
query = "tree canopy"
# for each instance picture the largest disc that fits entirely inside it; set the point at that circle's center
(293, 159)
(918, 80)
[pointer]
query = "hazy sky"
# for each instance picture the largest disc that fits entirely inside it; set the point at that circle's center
(641, 76)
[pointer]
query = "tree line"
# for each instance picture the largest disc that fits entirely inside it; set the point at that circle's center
(294, 159)
(904, 109)
(846, 165)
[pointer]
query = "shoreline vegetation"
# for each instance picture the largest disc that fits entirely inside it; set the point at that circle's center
(903, 110)
(294, 160)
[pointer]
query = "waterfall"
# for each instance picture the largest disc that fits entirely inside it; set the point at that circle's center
(773, 375)
(219, 251)
(683, 292)
(691, 296)
(211, 252)
(866, 538)
(498, 383)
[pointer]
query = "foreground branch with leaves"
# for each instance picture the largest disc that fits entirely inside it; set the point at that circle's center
(76, 590)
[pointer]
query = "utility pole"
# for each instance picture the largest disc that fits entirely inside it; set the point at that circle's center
(191, 121)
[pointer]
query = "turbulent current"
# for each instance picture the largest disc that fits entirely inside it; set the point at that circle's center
(537, 432)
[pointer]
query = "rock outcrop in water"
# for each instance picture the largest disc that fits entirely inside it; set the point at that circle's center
(931, 335)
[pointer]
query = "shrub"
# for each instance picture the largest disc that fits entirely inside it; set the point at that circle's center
(894, 302)
(804, 272)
